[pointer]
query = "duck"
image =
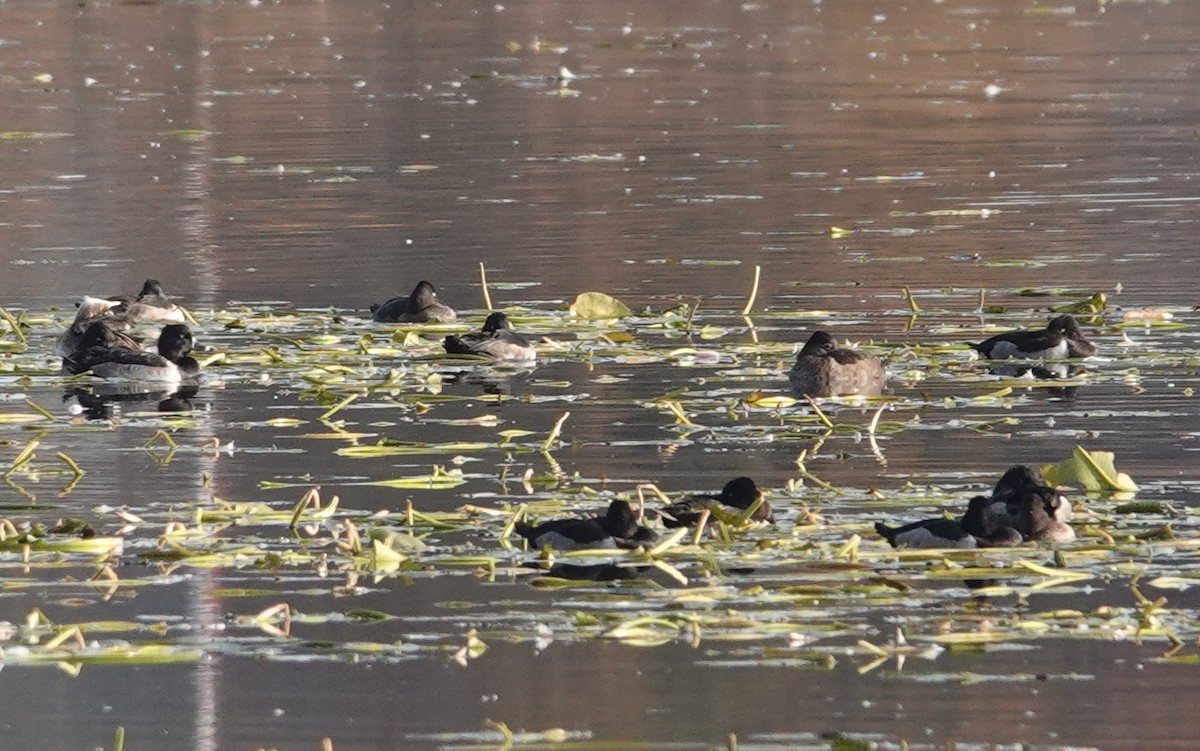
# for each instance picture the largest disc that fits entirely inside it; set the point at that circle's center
(928, 533)
(172, 363)
(618, 528)
(496, 340)
(1024, 501)
(421, 306)
(150, 306)
(153, 306)
(1036, 517)
(102, 337)
(89, 310)
(1062, 338)
(738, 495)
(988, 530)
(823, 369)
(976, 529)
(1014, 486)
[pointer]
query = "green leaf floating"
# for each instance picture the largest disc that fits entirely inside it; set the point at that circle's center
(1092, 471)
(598, 305)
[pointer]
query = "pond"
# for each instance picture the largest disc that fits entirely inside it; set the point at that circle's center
(912, 178)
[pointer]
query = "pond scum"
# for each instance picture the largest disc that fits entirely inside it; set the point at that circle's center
(807, 592)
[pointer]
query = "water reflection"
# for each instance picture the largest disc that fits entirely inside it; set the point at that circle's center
(97, 402)
(489, 380)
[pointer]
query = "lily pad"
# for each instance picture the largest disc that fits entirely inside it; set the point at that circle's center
(598, 305)
(1093, 471)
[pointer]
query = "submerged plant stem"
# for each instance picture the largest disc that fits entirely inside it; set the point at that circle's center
(554, 432)
(753, 291)
(817, 411)
(337, 407)
(29, 403)
(487, 299)
(70, 463)
(12, 324)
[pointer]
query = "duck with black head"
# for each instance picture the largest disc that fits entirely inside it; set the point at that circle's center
(738, 495)
(823, 369)
(927, 533)
(496, 340)
(171, 363)
(1019, 483)
(422, 306)
(1037, 517)
(1061, 339)
(976, 529)
(618, 528)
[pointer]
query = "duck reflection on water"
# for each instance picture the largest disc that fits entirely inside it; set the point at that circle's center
(99, 401)
(492, 381)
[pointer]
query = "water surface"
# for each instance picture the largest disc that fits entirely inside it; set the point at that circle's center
(313, 158)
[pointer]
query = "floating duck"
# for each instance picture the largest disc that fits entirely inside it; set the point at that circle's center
(421, 306)
(1062, 338)
(823, 369)
(172, 363)
(738, 495)
(496, 340)
(618, 528)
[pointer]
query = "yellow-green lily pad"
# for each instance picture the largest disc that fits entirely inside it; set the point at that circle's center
(1093, 471)
(598, 305)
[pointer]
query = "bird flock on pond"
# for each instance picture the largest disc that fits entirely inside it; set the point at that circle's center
(1022, 507)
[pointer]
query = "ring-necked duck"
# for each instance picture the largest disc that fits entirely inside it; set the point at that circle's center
(927, 533)
(1062, 338)
(1023, 500)
(989, 530)
(738, 494)
(496, 340)
(421, 306)
(618, 528)
(1037, 516)
(976, 529)
(1018, 484)
(172, 362)
(822, 369)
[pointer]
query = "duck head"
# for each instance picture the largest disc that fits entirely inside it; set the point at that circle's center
(820, 344)
(496, 322)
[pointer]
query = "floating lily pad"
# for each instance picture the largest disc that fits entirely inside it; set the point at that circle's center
(594, 305)
(1093, 471)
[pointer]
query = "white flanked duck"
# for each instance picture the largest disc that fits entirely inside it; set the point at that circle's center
(153, 306)
(496, 340)
(976, 529)
(172, 363)
(1062, 338)
(1024, 501)
(618, 528)
(738, 495)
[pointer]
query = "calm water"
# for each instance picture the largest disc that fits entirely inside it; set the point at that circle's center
(319, 157)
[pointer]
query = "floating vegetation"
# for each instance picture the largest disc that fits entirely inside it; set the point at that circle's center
(1092, 471)
(380, 463)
